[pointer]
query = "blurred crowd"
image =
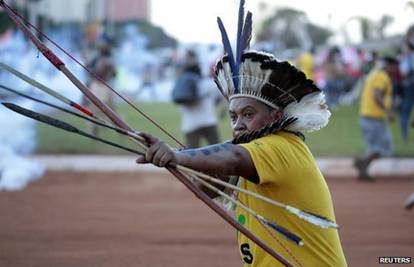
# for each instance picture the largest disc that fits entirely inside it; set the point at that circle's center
(342, 73)
(125, 62)
(381, 82)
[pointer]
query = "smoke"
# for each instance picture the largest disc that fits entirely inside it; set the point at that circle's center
(17, 133)
(17, 140)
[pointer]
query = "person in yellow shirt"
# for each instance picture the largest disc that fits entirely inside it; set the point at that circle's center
(288, 173)
(375, 111)
(271, 105)
(305, 63)
(270, 109)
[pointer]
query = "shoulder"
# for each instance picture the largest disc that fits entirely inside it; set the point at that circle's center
(381, 75)
(378, 77)
(276, 155)
(279, 142)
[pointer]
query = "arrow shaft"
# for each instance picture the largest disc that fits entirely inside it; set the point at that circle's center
(46, 89)
(64, 126)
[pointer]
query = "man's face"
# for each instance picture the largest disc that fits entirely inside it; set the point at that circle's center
(247, 115)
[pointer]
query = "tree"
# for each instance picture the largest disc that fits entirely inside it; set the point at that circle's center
(373, 29)
(384, 23)
(288, 27)
(157, 37)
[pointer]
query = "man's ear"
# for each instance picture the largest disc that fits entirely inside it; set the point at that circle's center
(276, 114)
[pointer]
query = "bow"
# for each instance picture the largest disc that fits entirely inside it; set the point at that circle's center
(119, 122)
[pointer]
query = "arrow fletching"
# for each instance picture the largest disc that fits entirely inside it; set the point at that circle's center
(283, 231)
(313, 218)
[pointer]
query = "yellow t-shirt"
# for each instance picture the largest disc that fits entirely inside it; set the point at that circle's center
(289, 174)
(305, 64)
(377, 79)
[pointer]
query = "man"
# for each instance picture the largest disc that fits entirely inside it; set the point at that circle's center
(104, 67)
(198, 118)
(375, 111)
(407, 103)
(270, 106)
(306, 63)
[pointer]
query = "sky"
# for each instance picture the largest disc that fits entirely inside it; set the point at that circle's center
(195, 20)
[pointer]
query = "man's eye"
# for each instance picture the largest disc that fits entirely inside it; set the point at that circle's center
(248, 114)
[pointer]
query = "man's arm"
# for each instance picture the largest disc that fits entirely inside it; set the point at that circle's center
(379, 99)
(219, 159)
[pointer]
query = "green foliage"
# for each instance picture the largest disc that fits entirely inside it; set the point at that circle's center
(282, 25)
(318, 34)
(156, 36)
(282, 19)
(342, 136)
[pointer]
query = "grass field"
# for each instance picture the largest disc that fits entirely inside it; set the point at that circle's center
(341, 137)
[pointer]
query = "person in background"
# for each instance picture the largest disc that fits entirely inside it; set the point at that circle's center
(148, 80)
(407, 71)
(375, 111)
(305, 63)
(334, 74)
(198, 118)
(104, 67)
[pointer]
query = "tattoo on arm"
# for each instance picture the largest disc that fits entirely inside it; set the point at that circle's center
(208, 150)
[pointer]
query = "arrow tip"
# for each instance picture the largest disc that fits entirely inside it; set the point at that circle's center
(7, 104)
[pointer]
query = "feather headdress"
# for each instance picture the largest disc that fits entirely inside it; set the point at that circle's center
(259, 75)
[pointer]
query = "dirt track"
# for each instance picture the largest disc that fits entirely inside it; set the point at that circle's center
(67, 219)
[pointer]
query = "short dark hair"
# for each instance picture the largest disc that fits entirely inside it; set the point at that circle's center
(390, 60)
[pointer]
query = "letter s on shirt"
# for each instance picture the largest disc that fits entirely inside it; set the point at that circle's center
(247, 255)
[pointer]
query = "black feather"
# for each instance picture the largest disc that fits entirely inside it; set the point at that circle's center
(286, 83)
(247, 31)
(239, 43)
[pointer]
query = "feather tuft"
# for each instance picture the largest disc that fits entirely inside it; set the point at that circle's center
(227, 47)
(313, 218)
(312, 113)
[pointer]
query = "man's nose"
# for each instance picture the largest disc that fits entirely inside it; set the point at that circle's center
(239, 125)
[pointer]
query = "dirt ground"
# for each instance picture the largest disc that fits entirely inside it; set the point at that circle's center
(71, 219)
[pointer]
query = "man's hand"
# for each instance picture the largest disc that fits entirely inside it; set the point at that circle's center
(390, 115)
(158, 153)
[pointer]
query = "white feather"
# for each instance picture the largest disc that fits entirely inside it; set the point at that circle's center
(254, 78)
(312, 219)
(224, 79)
(311, 112)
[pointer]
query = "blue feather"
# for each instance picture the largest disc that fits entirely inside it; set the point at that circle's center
(286, 233)
(228, 50)
(239, 44)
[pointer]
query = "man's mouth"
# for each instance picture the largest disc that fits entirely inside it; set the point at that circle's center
(239, 133)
